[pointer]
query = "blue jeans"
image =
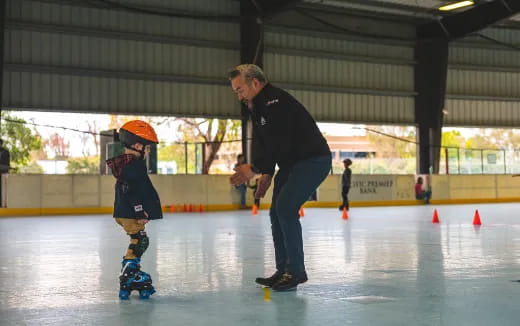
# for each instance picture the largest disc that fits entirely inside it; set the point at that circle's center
(292, 187)
(242, 190)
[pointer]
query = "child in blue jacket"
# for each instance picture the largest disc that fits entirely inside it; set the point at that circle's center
(136, 203)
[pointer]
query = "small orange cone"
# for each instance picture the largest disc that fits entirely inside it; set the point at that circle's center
(435, 217)
(191, 208)
(302, 213)
(345, 214)
(201, 209)
(185, 208)
(172, 208)
(254, 211)
(476, 218)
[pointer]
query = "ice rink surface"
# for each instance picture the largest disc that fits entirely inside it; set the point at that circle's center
(382, 266)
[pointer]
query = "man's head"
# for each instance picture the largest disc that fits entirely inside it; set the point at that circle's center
(347, 162)
(240, 158)
(420, 180)
(247, 81)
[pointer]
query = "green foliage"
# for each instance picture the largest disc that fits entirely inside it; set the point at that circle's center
(19, 139)
(31, 168)
(83, 165)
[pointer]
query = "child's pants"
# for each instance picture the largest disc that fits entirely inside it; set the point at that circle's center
(138, 237)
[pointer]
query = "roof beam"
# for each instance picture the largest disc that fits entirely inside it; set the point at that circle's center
(469, 21)
(272, 7)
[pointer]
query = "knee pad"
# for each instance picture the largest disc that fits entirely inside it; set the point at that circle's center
(142, 243)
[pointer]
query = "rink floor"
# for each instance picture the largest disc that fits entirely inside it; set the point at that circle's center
(383, 266)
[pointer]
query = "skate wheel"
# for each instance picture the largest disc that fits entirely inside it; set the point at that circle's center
(145, 294)
(124, 294)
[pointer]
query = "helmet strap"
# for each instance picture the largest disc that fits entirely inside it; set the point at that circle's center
(141, 152)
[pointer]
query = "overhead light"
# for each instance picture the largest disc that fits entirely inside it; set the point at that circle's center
(457, 5)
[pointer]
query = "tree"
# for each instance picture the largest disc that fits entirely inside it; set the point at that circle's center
(92, 134)
(392, 141)
(211, 132)
(19, 140)
(57, 145)
(83, 165)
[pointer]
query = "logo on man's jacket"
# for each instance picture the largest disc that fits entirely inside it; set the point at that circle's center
(263, 122)
(271, 102)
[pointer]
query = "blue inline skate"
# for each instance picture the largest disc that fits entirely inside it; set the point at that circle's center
(132, 278)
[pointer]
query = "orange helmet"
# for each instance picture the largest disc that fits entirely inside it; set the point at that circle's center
(137, 131)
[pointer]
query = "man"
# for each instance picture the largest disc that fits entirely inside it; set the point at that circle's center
(284, 134)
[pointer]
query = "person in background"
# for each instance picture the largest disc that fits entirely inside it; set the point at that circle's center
(345, 184)
(254, 187)
(241, 188)
(420, 193)
(5, 164)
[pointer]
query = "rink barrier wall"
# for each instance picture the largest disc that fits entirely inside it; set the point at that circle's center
(25, 195)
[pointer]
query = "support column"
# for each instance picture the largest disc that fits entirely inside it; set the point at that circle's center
(431, 68)
(251, 51)
(3, 4)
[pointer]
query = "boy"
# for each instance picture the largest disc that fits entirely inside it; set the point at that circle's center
(136, 202)
(345, 184)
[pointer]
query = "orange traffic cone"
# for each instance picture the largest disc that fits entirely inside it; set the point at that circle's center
(476, 218)
(435, 217)
(172, 208)
(185, 208)
(191, 208)
(254, 211)
(201, 209)
(302, 213)
(345, 214)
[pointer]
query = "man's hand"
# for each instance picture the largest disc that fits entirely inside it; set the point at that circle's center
(243, 173)
(263, 184)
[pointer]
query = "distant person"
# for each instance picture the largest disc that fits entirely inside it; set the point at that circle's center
(254, 186)
(420, 193)
(136, 203)
(241, 188)
(5, 158)
(5, 163)
(345, 184)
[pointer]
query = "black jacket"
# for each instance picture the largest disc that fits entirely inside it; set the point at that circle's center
(135, 193)
(346, 177)
(283, 131)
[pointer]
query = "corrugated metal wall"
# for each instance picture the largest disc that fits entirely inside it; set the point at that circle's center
(65, 56)
(343, 80)
(483, 86)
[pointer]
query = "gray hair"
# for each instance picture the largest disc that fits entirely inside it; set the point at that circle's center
(248, 72)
